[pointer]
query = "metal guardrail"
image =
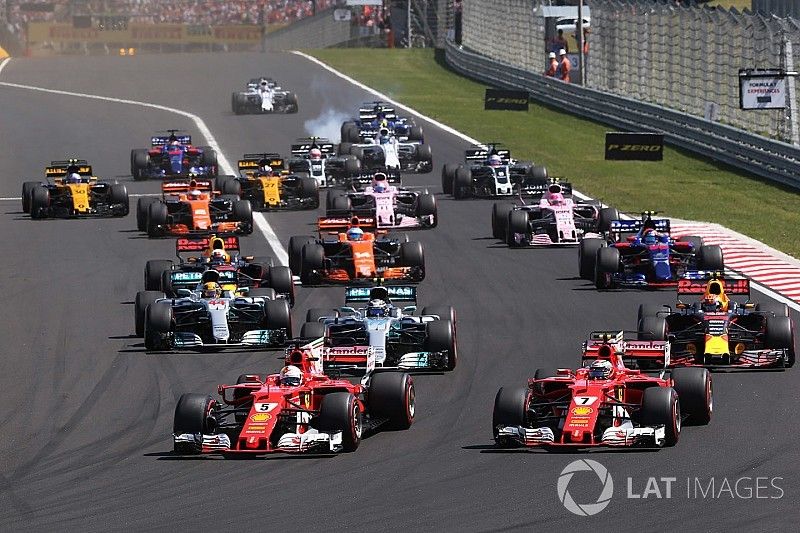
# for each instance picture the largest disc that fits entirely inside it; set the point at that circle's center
(773, 160)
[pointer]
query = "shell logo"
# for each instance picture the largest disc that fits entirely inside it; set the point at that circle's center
(582, 411)
(260, 417)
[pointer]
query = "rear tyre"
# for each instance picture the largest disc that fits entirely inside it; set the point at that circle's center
(415, 134)
(309, 189)
(210, 160)
(510, 405)
(779, 335)
(697, 242)
(143, 299)
(140, 160)
(340, 204)
(392, 396)
(296, 244)
(27, 188)
(606, 216)
(118, 195)
(693, 386)
(462, 184)
(710, 257)
(157, 323)
(773, 308)
(153, 271)
(314, 314)
(652, 328)
(191, 416)
(344, 148)
(411, 254)
(142, 206)
(40, 202)
(607, 263)
(312, 330)
(157, 214)
(441, 337)
(313, 259)
(448, 175)
(587, 256)
(340, 411)
(232, 187)
(280, 279)
(278, 316)
(660, 406)
(500, 212)
(646, 310)
(352, 166)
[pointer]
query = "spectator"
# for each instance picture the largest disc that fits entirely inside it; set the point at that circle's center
(553, 65)
(559, 42)
(564, 66)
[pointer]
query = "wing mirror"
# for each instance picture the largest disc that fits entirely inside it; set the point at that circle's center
(409, 309)
(183, 293)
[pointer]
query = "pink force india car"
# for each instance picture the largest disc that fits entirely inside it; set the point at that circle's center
(603, 403)
(556, 219)
(390, 206)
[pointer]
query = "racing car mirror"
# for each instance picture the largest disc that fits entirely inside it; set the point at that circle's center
(183, 293)
(409, 309)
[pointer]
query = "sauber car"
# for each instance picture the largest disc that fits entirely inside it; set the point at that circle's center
(299, 410)
(191, 206)
(642, 254)
(216, 315)
(719, 332)
(263, 95)
(604, 403)
(316, 157)
(390, 206)
(488, 172)
(171, 156)
(374, 116)
(72, 191)
(266, 183)
(344, 253)
(371, 325)
(557, 218)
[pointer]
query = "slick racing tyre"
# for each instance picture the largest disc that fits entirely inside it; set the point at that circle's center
(510, 405)
(500, 212)
(191, 416)
(587, 256)
(693, 386)
(391, 395)
(340, 411)
(661, 407)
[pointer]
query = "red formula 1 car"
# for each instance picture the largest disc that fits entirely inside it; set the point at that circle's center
(604, 403)
(345, 253)
(719, 332)
(192, 206)
(300, 410)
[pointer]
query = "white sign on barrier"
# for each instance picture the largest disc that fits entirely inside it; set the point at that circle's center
(762, 89)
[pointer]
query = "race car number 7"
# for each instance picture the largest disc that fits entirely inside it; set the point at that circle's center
(585, 400)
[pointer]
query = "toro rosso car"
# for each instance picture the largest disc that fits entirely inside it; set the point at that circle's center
(192, 207)
(604, 403)
(266, 183)
(171, 156)
(216, 315)
(72, 191)
(316, 157)
(557, 218)
(390, 206)
(642, 254)
(263, 95)
(719, 332)
(340, 256)
(299, 410)
(488, 172)
(371, 326)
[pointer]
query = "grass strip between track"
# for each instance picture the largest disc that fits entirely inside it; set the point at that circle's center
(682, 185)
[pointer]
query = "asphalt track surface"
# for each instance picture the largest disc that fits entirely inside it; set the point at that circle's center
(86, 414)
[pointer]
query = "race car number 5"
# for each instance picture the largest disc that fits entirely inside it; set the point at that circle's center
(585, 400)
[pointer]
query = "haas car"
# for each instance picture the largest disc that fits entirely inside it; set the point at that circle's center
(372, 329)
(191, 206)
(169, 278)
(72, 191)
(489, 172)
(316, 157)
(263, 95)
(391, 207)
(216, 315)
(557, 218)
(719, 332)
(171, 156)
(642, 254)
(603, 403)
(268, 186)
(345, 253)
(299, 410)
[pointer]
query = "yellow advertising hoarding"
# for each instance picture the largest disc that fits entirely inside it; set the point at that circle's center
(40, 32)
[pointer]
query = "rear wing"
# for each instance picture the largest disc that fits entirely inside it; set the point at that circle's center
(541, 188)
(481, 153)
(367, 111)
(189, 280)
(176, 187)
(634, 226)
(735, 286)
(251, 161)
(614, 345)
(345, 223)
(303, 146)
(395, 293)
(58, 169)
(161, 140)
(360, 181)
(199, 244)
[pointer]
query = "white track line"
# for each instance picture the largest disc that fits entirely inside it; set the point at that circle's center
(465, 137)
(258, 218)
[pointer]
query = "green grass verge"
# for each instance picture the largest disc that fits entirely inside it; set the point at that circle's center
(681, 185)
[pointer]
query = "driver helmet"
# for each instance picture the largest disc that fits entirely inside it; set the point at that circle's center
(379, 182)
(73, 177)
(211, 290)
(554, 194)
(377, 308)
(649, 237)
(291, 376)
(315, 154)
(265, 169)
(174, 143)
(600, 369)
(194, 194)
(711, 303)
(219, 256)
(495, 160)
(264, 83)
(355, 234)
